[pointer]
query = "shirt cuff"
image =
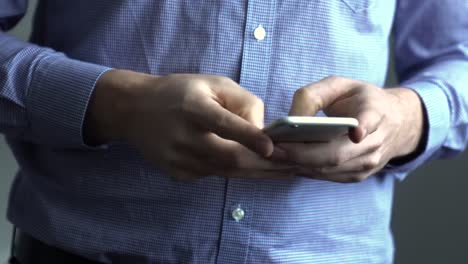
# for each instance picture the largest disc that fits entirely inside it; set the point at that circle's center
(58, 98)
(437, 109)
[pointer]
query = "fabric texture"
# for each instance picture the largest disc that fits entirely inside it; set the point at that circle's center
(109, 205)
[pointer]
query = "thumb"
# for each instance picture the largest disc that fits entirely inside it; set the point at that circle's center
(243, 115)
(310, 99)
(369, 122)
(241, 102)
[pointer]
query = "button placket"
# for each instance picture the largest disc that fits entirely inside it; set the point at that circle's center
(254, 74)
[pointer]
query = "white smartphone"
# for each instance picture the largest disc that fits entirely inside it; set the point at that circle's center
(309, 128)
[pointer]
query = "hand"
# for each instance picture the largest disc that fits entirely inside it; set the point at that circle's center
(187, 125)
(390, 125)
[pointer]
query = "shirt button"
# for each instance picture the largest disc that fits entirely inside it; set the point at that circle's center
(238, 214)
(259, 33)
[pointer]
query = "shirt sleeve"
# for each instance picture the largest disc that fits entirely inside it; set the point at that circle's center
(43, 93)
(431, 55)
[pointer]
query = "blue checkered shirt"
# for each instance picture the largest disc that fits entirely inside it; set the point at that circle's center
(108, 204)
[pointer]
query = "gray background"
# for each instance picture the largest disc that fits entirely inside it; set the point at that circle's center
(429, 219)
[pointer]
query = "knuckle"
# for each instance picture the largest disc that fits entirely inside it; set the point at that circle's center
(253, 103)
(230, 160)
(322, 171)
(367, 166)
(221, 121)
(307, 95)
(197, 84)
(226, 80)
(372, 162)
(333, 78)
(296, 157)
(379, 141)
(302, 93)
(188, 101)
(358, 178)
(316, 101)
(338, 159)
(258, 103)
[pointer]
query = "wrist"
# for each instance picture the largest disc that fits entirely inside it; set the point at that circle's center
(411, 114)
(110, 107)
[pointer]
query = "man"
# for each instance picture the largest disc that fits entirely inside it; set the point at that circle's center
(137, 126)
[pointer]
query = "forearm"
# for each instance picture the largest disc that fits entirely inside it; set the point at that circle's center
(432, 59)
(44, 93)
(444, 91)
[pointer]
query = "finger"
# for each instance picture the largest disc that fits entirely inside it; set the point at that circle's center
(349, 177)
(329, 154)
(254, 114)
(308, 100)
(222, 122)
(357, 171)
(348, 107)
(369, 120)
(239, 101)
(227, 154)
(358, 106)
(352, 176)
(361, 164)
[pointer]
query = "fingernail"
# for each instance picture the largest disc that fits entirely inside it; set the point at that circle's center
(279, 154)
